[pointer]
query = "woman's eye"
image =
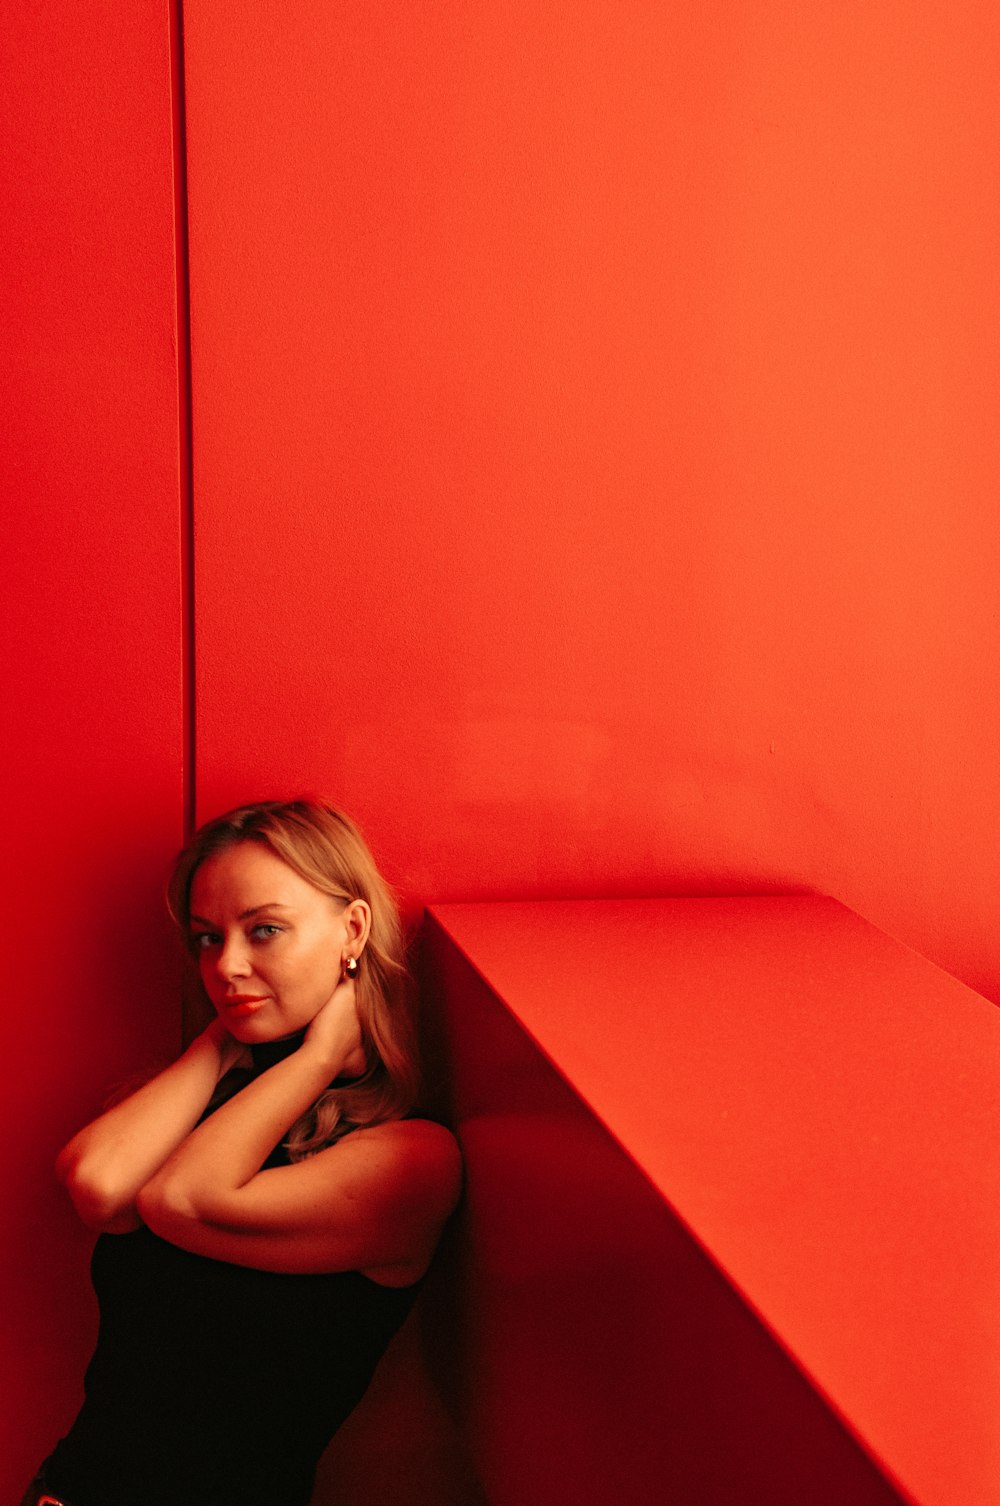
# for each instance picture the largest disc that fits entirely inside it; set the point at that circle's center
(204, 940)
(266, 931)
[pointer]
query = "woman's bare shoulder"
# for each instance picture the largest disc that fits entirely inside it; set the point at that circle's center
(421, 1131)
(415, 1163)
(422, 1145)
(414, 1180)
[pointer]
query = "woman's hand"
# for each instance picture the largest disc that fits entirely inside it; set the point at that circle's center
(335, 1031)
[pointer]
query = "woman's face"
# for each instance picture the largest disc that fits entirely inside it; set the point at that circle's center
(270, 947)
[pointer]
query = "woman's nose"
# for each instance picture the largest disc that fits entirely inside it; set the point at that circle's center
(234, 960)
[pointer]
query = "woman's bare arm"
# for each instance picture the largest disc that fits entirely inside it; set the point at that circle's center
(104, 1166)
(374, 1202)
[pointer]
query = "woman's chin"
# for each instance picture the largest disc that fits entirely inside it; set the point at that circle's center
(258, 1031)
(252, 1027)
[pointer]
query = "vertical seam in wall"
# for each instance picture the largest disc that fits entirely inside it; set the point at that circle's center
(184, 415)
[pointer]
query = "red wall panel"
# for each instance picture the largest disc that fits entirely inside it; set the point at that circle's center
(595, 464)
(91, 623)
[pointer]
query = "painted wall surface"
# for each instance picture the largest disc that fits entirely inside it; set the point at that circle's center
(595, 472)
(91, 629)
(596, 466)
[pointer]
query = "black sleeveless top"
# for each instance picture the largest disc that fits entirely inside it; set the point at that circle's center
(213, 1384)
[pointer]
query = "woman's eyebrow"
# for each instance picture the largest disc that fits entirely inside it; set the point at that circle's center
(244, 914)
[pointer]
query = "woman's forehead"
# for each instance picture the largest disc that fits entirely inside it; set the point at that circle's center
(249, 876)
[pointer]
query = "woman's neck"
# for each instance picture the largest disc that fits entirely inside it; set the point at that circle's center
(265, 1054)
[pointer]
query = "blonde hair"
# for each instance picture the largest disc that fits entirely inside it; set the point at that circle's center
(324, 847)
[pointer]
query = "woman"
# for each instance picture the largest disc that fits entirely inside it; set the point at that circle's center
(267, 1207)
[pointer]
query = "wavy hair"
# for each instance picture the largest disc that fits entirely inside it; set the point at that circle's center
(325, 848)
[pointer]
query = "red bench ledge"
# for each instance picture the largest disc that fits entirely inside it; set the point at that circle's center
(816, 1106)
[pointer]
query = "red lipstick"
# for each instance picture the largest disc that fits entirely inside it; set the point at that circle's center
(243, 1004)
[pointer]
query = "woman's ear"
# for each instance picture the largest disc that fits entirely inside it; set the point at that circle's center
(357, 918)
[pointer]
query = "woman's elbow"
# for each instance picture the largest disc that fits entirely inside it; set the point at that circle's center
(99, 1204)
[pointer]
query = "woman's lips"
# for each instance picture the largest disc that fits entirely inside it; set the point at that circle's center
(244, 1004)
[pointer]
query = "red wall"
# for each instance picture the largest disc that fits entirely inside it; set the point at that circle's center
(91, 625)
(595, 455)
(594, 471)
